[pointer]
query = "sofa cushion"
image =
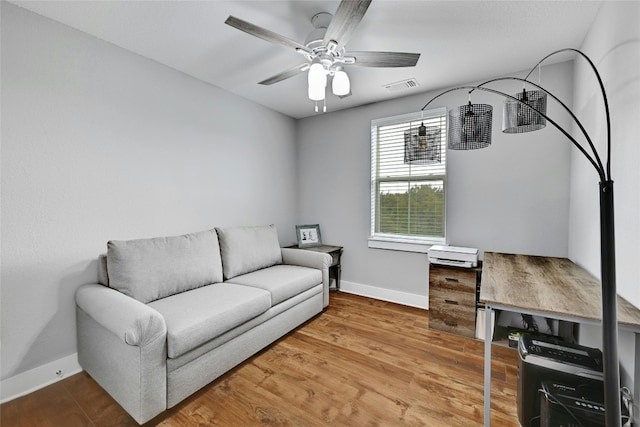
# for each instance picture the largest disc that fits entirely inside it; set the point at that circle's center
(282, 281)
(149, 269)
(197, 316)
(103, 275)
(246, 249)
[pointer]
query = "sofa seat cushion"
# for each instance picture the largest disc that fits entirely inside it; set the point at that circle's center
(282, 281)
(199, 315)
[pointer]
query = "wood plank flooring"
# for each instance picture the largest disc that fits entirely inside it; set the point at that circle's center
(363, 362)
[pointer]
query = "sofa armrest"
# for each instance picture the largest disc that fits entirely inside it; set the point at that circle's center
(122, 345)
(130, 320)
(311, 259)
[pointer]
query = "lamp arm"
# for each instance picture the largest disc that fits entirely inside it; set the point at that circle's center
(573, 116)
(607, 253)
(601, 173)
(604, 96)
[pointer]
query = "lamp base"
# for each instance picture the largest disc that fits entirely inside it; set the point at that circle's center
(609, 307)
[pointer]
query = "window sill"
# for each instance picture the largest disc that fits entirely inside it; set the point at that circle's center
(405, 245)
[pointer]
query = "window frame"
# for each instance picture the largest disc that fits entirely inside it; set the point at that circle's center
(409, 243)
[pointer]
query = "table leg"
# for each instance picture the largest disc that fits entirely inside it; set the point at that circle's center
(488, 337)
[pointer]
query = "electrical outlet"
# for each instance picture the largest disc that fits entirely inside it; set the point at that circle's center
(59, 373)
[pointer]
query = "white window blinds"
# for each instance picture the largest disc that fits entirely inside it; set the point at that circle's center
(408, 190)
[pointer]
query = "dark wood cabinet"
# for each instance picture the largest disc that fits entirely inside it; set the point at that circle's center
(452, 299)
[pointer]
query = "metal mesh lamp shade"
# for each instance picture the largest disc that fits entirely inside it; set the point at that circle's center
(422, 145)
(470, 127)
(519, 118)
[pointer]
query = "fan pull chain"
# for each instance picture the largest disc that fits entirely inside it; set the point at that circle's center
(324, 106)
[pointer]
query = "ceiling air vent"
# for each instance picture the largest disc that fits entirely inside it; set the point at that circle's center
(402, 85)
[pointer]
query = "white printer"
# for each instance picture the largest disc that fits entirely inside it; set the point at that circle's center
(453, 256)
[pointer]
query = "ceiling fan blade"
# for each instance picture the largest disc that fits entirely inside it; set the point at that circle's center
(384, 59)
(285, 74)
(345, 21)
(264, 34)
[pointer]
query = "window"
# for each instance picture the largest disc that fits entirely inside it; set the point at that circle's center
(407, 193)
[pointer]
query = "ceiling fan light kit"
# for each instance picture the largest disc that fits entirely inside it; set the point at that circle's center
(317, 76)
(340, 84)
(324, 50)
(316, 93)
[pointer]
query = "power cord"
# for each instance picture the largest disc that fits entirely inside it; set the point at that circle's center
(627, 399)
(554, 400)
(529, 323)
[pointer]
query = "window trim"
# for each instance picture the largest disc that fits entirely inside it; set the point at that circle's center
(398, 242)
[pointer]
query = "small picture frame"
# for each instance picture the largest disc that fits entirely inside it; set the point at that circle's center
(308, 235)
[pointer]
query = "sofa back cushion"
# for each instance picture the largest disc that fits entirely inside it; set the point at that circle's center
(150, 269)
(103, 275)
(246, 249)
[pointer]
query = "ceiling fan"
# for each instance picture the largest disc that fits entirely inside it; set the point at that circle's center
(325, 52)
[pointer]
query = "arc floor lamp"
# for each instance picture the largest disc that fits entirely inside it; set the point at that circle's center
(469, 127)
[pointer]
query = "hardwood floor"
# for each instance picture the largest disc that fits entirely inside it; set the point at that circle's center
(362, 362)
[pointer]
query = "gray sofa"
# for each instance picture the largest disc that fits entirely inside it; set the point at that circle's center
(171, 314)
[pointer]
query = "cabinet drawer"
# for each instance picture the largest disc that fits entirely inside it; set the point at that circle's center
(459, 326)
(457, 319)
(446, 298)
(453, 311)
(452, 279)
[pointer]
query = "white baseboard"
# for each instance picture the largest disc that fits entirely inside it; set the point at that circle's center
(399, 297)
(37, 378)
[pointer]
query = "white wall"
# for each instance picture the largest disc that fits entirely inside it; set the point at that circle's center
(99, 143)
(613, 44)
(510, 197)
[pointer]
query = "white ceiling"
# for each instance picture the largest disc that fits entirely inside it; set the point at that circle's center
(460, 41)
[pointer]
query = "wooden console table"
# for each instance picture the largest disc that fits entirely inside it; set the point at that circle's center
(543, 286)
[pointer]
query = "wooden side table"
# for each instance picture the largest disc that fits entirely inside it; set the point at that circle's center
(335, 251)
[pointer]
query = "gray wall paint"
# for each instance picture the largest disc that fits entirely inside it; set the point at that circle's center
(99, 143)
(511, 197)
(613, 44)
